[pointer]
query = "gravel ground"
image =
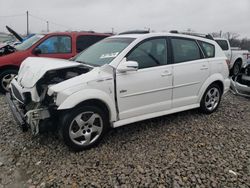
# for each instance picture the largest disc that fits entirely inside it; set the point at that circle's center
(186, 149)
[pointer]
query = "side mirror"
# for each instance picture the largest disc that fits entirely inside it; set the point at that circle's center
(37, 51)
(127, 66)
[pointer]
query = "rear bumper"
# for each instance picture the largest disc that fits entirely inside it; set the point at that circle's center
(17, 113)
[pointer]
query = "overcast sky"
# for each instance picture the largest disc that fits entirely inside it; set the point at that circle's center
(202, 16)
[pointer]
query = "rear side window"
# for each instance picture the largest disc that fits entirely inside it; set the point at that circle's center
(185, 50)
(84, 41)
(223, 44)
(208, 49)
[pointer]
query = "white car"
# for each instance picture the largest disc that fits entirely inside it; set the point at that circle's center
(119, 80)
(236, 56)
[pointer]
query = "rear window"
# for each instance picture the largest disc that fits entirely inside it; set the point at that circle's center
(185, 50)
(84, 41)
(223, 44)
(208, 49)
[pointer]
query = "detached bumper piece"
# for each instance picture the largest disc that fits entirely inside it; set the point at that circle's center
(32, 119)
(17, 113)
(238, 88)
(35, 117)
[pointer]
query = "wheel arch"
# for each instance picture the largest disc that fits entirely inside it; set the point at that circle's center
(214, 79)
(91, 97)
(95, 102)
(240, 59)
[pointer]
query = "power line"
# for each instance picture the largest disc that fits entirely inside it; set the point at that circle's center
(35, 17)
(44, 20)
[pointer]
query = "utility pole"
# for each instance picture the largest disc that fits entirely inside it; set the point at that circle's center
(47, 26)
(27, 14)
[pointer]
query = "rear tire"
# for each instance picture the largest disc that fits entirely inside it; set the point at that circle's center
(5, 78)
(83, 127)
(211, 99)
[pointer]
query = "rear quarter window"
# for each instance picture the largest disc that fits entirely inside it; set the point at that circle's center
(208, 49)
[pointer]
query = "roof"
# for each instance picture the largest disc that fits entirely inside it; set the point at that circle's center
(162, 34)
(77, 33)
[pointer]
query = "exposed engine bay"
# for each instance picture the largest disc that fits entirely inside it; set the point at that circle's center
(38, 113)
(6, 49)
(56, 76)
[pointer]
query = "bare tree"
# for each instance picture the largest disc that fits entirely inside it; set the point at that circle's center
(234, 39)
(231, 35)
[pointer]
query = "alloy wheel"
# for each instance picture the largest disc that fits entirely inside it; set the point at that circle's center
(212, 98)
(6, 81)
(86, 128)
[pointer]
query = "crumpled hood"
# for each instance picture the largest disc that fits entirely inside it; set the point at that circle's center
(33, 68)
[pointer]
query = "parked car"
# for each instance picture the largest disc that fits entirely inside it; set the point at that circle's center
(57, 45)
(240, 84)
(119, 80)
(237, 57)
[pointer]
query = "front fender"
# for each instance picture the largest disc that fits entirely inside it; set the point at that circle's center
(90, 94)
(209, 81)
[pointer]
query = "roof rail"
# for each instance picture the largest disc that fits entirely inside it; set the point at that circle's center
(208, 36)
(134, 32)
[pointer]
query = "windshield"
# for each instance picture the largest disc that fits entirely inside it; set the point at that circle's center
(28, 43)
(103, 52)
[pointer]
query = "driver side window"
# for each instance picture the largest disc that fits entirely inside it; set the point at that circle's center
(150, 53)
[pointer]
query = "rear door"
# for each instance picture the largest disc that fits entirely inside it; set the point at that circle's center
(57, 46)
(190, 70)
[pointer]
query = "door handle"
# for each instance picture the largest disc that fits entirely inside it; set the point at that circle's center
(166, 73)
(204, 67)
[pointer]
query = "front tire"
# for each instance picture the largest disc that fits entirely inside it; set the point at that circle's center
(5, 78)
(84, 127)
(211, 99)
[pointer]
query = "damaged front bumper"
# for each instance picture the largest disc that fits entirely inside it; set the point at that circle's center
(17, 113)
(239, 89)
(31, 119)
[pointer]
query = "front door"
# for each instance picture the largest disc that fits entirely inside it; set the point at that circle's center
(149, 89)
(59, 46)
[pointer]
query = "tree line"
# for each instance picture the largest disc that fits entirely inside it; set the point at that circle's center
(234, 39)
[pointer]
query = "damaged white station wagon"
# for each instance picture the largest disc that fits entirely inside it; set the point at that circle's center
(119, 80)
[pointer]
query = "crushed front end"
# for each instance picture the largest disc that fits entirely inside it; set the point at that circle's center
(28, 98)
(30, 114)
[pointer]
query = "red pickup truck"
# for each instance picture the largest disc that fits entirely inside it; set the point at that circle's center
(56, 45)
